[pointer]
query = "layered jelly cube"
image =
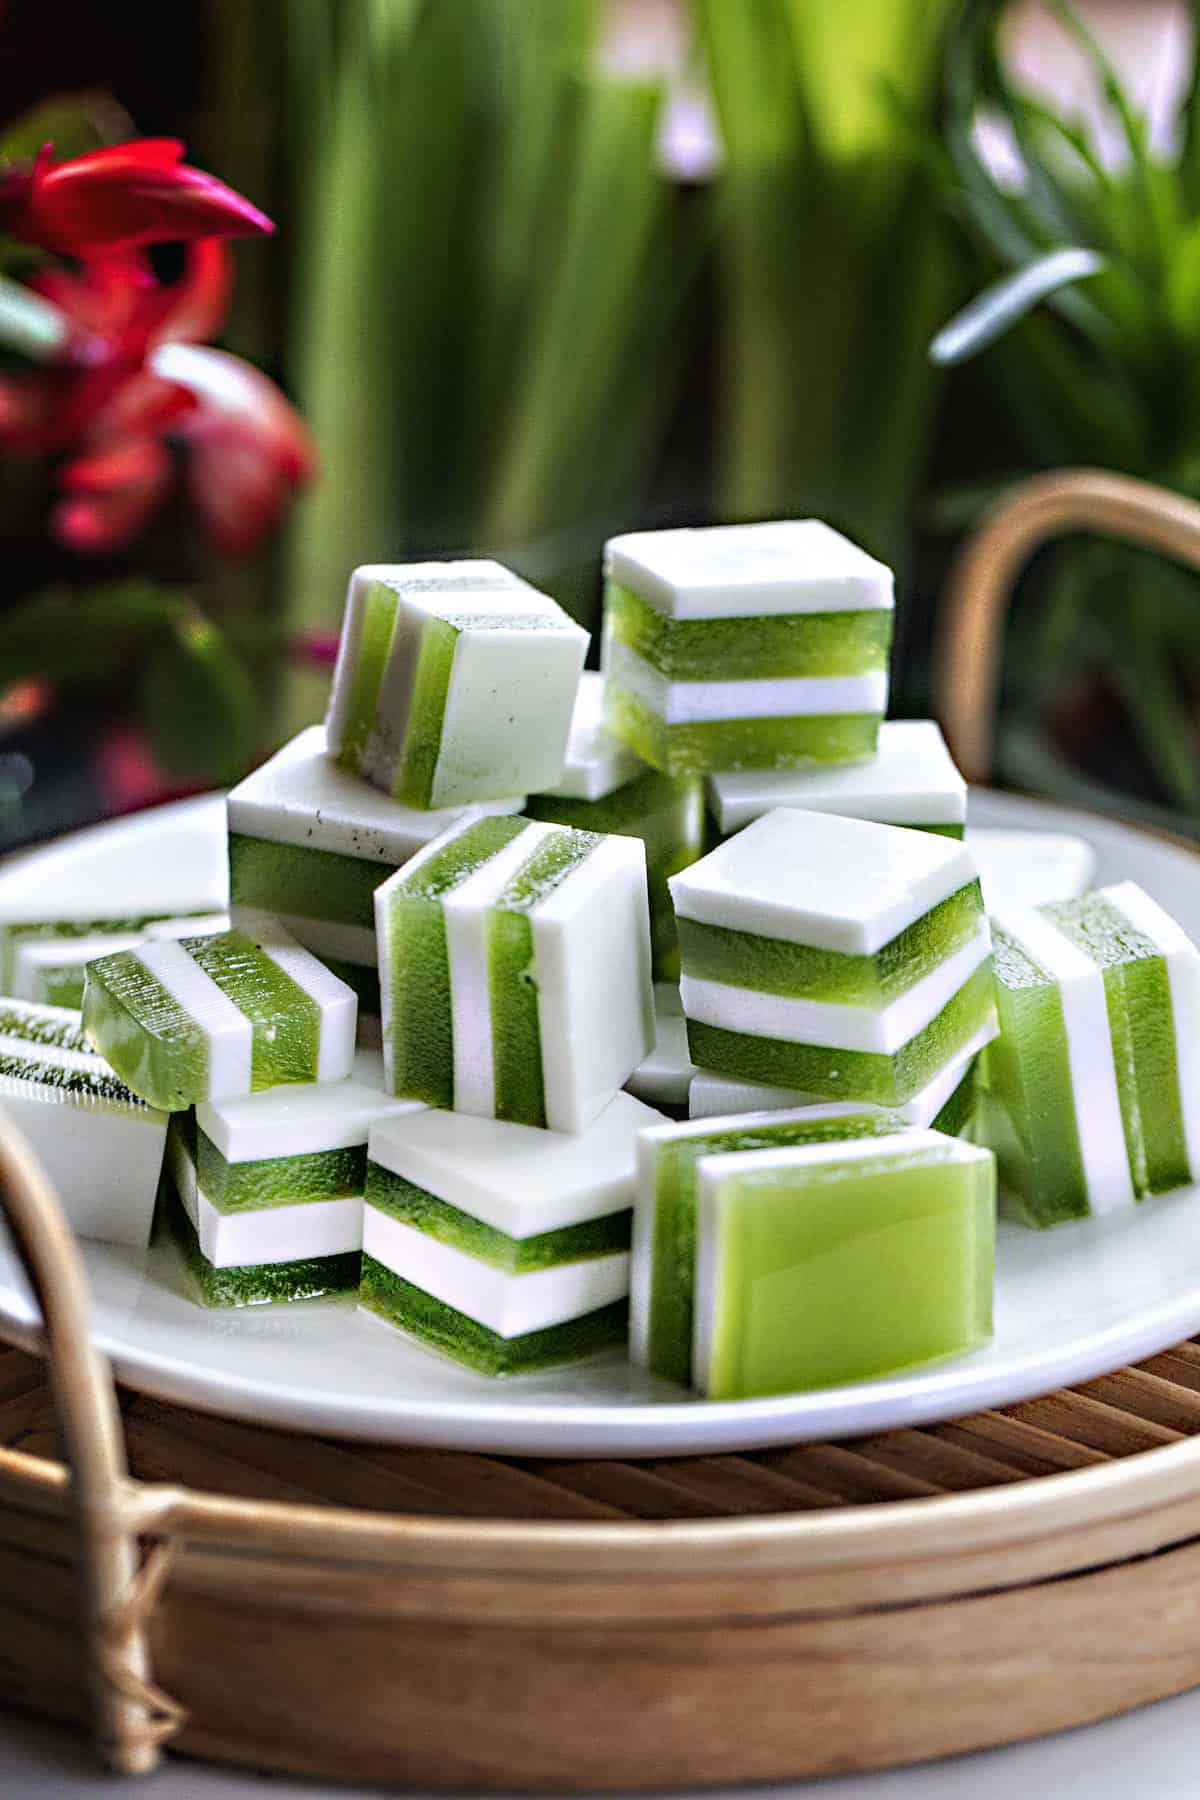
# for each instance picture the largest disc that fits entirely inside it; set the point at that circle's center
(662, 1321)
(1093, 1088)
(207, 1018)
(268, 1189)
(834, 956)
(455, 682)
(665, 811)
(911, 780)
(503, 1247)
(745, 646)
(825, 1263)
(515, 972)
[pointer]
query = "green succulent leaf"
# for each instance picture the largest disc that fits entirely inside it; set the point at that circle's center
(999, 307)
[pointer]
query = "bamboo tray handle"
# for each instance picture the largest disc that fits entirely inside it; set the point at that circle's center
(132, 1718)
(982, 580)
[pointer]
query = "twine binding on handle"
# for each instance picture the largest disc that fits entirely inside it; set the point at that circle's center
(983, 578)
(132, 1717)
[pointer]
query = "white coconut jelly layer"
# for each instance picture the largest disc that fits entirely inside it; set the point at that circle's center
(1100, 1128)
(517, 1178)
(509, 1304)
(597, 763)
(304, 1119)
(303, 798)
(911, 781)
(723, 571)
(705, 702)
(881, 1030)
(713, 1096)
(848, 885)
(1029, 868)
(272, 1234)
(664, 1079)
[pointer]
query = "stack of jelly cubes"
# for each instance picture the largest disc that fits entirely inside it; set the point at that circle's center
(498, 903)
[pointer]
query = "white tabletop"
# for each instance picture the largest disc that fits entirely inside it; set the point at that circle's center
(1151, 1754)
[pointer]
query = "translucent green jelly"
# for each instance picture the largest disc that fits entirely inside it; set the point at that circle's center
(698, 748)
(837, 1272)
(749, 647)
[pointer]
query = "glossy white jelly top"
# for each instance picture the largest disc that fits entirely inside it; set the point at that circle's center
(304, 1118)
(303, 798)
(517, 1178)
(477, 589)
(815, 878)
(717, 571)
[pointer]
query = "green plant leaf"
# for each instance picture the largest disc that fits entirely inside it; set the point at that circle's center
(998, 308)
(84, 637)
(198, 702)
(73, 123)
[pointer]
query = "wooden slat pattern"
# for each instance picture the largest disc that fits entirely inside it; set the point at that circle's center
(1136, 1409)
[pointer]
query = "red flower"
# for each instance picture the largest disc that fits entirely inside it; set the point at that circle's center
(131, 388)
(119, 199)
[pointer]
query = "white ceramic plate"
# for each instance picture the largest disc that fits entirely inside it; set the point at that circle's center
(1070, 1304)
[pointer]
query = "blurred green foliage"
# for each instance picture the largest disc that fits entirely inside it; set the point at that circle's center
(833, 257)
(1092, 337)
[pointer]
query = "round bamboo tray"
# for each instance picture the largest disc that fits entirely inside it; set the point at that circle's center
(437, 1620)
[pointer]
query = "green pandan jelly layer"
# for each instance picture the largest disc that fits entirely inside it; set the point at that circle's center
(420, 1026)
(259, 1284)
(143, 1033)
(443, 1328)
(437, 1218)
(849, 1074)
(413, 779)
(750, 647)
(1029, 1118)
(1137, 992)
(959, 1111)
(773, 966)
(286, 1021)
(278, 1180)
(701, 748)
(844, 1271)
(374, 646)
(512, 976)
(312, 884)
(673, 1250)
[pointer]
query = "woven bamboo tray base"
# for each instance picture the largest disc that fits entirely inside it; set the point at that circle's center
(737, 1637)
